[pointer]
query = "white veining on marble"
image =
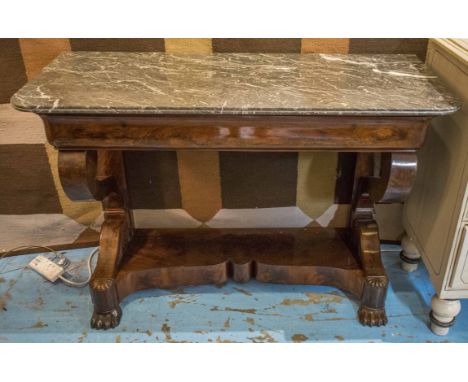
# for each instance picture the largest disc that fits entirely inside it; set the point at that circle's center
(393, 73)
(345, 59)
(237, 83)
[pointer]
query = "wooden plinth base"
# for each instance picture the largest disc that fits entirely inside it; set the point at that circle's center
(171, 258)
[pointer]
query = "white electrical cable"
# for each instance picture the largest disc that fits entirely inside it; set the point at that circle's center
(77, 284)
(24, 247)
(29, 247)
(80, 284)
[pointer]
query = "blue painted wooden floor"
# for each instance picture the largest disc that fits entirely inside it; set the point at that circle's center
(34, 310)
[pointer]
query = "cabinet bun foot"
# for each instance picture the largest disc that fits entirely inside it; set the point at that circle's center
(439, 330)
(409, 256)
(443, 315)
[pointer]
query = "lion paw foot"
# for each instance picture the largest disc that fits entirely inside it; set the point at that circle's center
(372, 317)
(106, 320)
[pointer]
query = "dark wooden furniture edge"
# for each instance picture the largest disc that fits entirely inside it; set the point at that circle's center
(168, 258)
(242, 133)
(91, 166)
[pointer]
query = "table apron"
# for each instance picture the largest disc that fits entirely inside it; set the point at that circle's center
(261, 133)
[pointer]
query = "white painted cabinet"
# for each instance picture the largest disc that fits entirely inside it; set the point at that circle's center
(435, 216)
(460, 271)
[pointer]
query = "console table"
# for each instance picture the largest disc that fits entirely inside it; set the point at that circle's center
(96, 106)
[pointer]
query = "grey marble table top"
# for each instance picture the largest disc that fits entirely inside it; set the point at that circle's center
(244, 84)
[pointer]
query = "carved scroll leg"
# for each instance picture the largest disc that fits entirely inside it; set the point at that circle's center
(107, 312)
(372, 309)
(393, 184)
(384, 178)
(100, 175)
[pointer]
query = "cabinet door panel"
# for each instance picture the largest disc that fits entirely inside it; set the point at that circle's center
(460, 275)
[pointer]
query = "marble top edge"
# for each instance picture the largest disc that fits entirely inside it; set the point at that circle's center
(84, 53)
(247, 112)
(236, 84)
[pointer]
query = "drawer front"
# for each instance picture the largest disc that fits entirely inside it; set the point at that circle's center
(460, 272)
(465, 199)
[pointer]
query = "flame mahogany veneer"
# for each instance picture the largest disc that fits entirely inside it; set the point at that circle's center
(91, 166)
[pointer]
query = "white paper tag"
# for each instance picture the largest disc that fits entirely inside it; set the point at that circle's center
(48, 269)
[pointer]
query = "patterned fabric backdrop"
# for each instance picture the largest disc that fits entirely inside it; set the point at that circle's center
(173, 189)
